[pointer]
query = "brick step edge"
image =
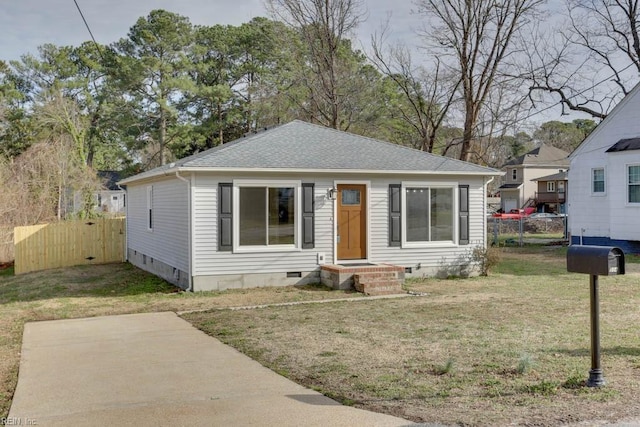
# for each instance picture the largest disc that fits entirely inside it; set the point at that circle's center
(379, 287)
(376, 275)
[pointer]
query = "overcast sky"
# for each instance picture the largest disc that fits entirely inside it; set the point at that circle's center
(27, 24)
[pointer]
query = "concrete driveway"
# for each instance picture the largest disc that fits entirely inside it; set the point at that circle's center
(157, 369)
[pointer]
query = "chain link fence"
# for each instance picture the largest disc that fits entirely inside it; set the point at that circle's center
(535, 229)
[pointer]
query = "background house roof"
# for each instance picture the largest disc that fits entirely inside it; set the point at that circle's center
(110, 179)
(544, 155)
(509, 186)
(627, 144)
(560, 176)
(298, 145)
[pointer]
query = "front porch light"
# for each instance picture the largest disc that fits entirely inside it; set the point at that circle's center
(332, 193)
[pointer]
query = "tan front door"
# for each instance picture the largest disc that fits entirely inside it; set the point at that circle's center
(352, 221)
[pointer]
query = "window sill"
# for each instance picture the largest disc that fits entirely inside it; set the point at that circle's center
(429, 245)
(265, 249)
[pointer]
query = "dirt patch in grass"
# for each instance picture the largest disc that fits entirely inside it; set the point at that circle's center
(105, 290)
(511, 348)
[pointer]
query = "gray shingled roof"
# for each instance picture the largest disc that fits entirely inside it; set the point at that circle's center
(303, 146)
(542, 155)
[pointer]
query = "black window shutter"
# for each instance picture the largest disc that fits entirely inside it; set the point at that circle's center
(308, 226)
(225, 216)
(395, 217)
(464, 214)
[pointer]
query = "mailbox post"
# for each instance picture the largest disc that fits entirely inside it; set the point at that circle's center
(596, 377)
(595, 261)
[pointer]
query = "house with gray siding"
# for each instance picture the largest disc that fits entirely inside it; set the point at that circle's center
(604, 201)
(300, 203)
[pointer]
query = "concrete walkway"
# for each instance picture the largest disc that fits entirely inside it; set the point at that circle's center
(154, 370)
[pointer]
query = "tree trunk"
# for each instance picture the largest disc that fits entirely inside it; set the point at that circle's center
(221, 124)
(467, 135)
(163, 135)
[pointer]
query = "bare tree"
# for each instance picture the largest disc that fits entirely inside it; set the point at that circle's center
(500, 134)
(324, 25)
(594, 60)
(476, 37)
(428, 95)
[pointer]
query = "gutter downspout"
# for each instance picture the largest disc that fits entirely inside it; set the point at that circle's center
(484, 211)
(126, 223)
(189, 226)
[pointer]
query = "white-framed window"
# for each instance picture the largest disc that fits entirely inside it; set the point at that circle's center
(551, 186)
(266, 215)
(150, 207)
(597, 181)
(429, 214)
(633, 183)
(514, 174)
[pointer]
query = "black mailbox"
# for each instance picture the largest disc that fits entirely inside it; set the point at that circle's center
(595, 260)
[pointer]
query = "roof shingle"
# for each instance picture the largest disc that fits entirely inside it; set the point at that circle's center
(298, 145)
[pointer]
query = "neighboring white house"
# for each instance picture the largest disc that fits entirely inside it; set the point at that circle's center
(277, 206)
(604, 201)
(108, 200)
(519, 187)
(111, 199)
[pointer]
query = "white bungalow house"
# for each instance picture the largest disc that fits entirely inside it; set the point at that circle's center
(301, 203)
(604, 201)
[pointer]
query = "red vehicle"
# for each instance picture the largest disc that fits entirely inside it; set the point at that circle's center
(515, 213)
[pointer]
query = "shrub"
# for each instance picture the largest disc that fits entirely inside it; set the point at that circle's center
(487, 258)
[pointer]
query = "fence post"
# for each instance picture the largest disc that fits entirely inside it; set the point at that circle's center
(521, 228)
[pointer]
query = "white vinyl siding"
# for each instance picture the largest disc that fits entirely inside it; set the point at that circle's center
(169, 241)
(428, 257)
(610, 214)
(622, 213)
(208, 261)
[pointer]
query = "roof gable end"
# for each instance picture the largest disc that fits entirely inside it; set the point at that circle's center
(594, 136)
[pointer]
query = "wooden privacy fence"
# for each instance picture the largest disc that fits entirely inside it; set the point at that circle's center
(68, 243)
